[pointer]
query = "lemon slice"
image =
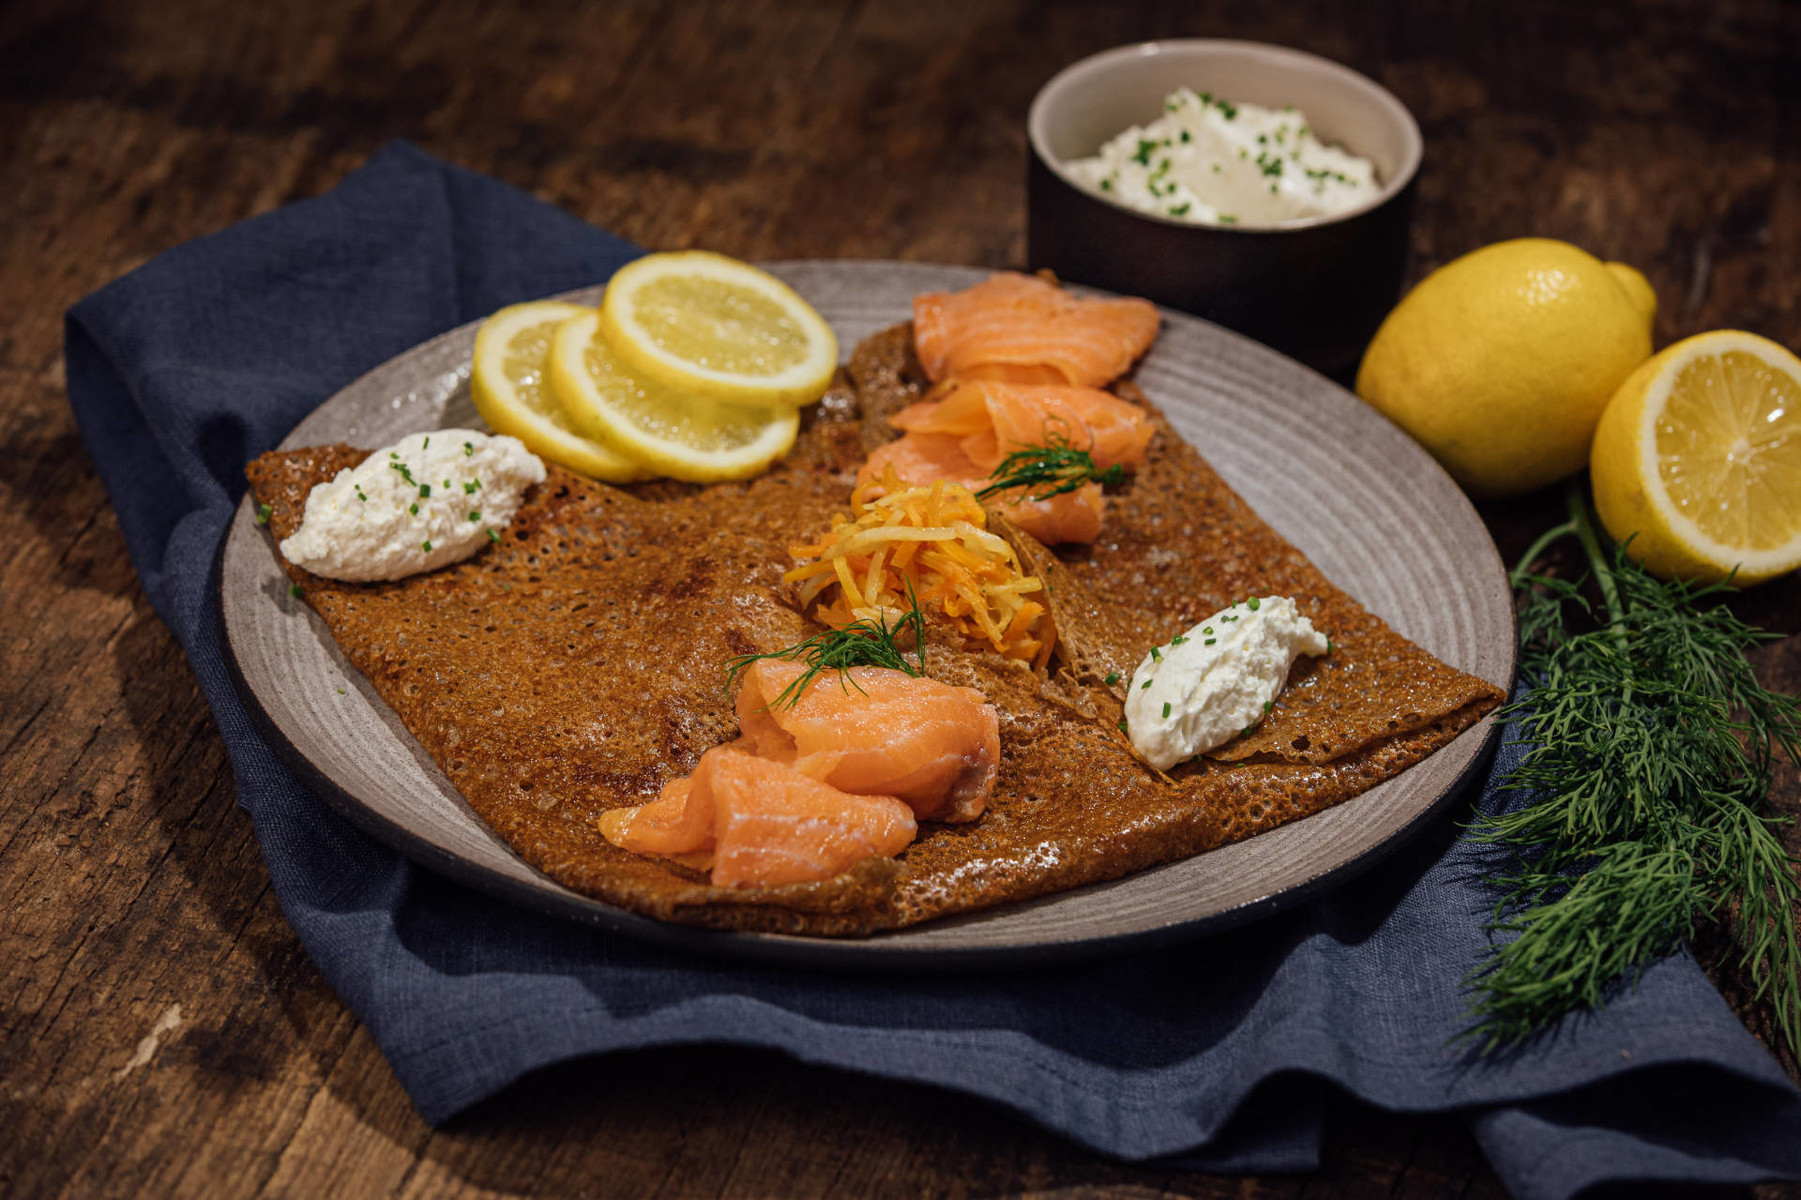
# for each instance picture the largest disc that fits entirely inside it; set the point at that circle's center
(718, 327)
(1698, 459)
(679, 434)
(511, 390)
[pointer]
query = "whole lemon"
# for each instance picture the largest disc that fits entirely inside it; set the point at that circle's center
(1500, 362)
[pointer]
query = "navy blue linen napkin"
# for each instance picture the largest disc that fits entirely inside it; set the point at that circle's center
(1219, 1054)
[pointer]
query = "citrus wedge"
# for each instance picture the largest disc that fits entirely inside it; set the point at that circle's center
(675, 432)
(1698, 460)
(511, 389)
(719, 328)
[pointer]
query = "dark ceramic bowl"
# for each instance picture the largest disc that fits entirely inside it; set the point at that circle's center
(1313, 288)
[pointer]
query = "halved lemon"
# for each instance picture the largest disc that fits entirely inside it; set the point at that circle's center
(511, 388)
(1698, 460)
(676, 432)
(718, 327)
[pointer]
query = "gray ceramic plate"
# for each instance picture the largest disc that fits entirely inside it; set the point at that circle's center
(1352, 491)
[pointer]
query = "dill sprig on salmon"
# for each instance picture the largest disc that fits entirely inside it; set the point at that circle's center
(864, 642)
(1057, 465)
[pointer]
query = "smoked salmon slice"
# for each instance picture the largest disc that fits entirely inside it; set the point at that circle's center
(963, 437)
(761, 823)
(878, 730)
(994, 419)
(1021, 329)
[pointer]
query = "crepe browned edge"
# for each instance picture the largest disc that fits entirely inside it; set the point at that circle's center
(579, 665)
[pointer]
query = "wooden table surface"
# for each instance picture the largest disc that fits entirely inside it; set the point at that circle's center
(161, 1032)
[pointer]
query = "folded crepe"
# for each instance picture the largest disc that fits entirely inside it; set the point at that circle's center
(579, 665)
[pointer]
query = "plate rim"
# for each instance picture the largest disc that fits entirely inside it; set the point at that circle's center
(862, 954)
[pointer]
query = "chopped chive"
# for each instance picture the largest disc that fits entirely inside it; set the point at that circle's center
(426, 545)
(468, 449)
(262, 514)
(1112, 678)
(426, 444)
(1268, 704)
(475, 514)
(1209, 641)
(1206, 629)
(1328, 643)
(1166, 708)
(1144, 685)
(1177, 640)
(1122, 726)
(492, 536)
(413, 508)
(425, 491)
(1253, 603)
(294, 590)
(1156, 655)
(1228, 618)
(470, 487)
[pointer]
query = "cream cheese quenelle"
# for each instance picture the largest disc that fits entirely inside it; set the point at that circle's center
(1209, 161)
(429, 500)
(1214, 682)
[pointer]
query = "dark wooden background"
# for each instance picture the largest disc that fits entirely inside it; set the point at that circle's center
(161, 1032)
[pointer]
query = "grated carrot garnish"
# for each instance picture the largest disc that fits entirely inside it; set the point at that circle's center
(933, 543)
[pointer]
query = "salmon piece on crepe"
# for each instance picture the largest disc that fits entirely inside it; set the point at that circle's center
(759, 823)
(1021, 329)
(877, 730)
(964, 436)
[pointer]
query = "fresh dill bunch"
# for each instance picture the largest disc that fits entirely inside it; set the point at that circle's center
(1057, 466)
(1652, 746)
(862, 643)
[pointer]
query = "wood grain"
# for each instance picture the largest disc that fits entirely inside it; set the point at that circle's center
(161, 1032)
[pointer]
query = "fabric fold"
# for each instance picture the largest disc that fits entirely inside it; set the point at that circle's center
(1218, 1052)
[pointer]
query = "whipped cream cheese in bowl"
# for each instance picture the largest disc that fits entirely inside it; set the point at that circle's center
(1209, 161)
(1309, 269)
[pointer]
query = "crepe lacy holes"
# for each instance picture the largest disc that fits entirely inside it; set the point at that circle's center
(1301, 743)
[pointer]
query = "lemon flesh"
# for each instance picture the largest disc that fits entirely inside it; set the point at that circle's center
(1500, 362)
(671, 430)
(1698, 460)
(718, 328)
(509, 383)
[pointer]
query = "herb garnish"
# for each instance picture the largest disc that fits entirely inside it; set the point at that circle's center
(1112, 678)
(262, 513)
(1652, 749)
(1056, 465)
(862, 643)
